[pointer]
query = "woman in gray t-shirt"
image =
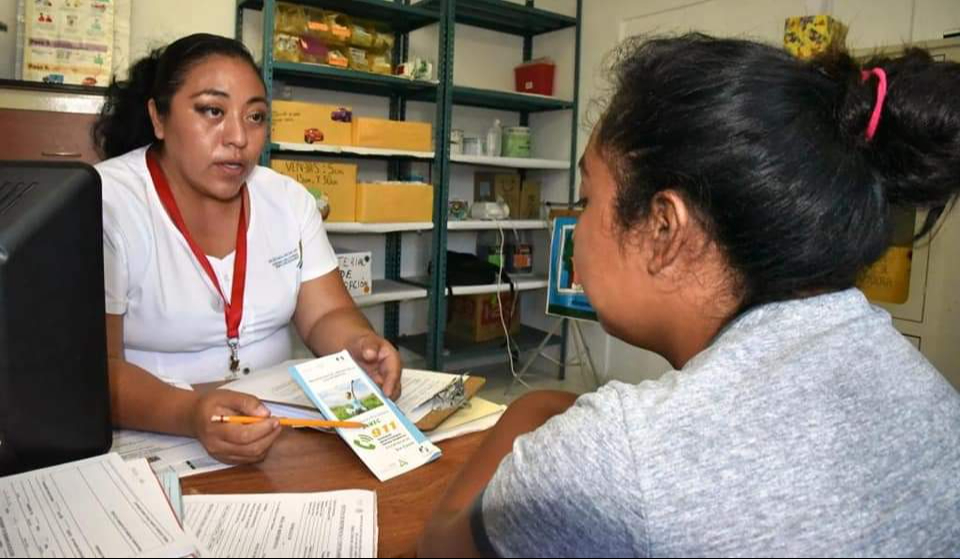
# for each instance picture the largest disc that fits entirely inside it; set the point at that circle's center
(733, 195)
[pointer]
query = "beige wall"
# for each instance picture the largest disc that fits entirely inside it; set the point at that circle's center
(156, 22)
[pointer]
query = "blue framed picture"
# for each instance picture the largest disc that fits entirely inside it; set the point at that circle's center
(565, 295)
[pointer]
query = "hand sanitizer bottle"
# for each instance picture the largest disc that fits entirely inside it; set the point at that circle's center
(494, 135)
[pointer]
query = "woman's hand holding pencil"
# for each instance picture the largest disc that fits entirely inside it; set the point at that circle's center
(233, 444)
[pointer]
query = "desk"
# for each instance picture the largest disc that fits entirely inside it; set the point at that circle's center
(308, 461)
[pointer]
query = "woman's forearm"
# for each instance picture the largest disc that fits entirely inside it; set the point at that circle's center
(141, 401)
(336, 330)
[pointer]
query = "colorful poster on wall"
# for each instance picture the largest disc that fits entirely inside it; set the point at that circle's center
(565, 295)
(68, 41)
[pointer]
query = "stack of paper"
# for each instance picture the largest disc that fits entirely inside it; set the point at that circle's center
(284, 398)
(475, 416)
(96, 507)
(421, 393)
(335, 524)
(183, 455)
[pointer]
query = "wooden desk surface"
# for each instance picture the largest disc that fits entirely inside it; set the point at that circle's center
(308, 461)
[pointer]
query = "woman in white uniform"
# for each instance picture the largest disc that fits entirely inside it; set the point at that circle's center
(209, 257)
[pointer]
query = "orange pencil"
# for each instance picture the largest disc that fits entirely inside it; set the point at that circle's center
(288, 422)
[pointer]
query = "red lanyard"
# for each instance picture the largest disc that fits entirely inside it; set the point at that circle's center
(233, 311)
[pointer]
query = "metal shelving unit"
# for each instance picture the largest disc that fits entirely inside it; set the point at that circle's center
(390, 291)
(527, 21)
(402, 16)
(506, 17)
(351, 152)
(512, 162)
(352, 81)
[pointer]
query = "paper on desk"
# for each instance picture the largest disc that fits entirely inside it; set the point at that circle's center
(390, 444)
(171, 498)
(419, 387)
(184, 455)
(94, 507)
(170, 482)
(146, 479)
(273, 385)
(333, 524)
(293, 412)
(477, 415)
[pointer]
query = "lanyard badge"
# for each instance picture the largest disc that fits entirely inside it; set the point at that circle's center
(233, 311)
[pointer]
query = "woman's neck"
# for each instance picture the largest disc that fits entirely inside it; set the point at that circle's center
(691, 330)
(211, 222)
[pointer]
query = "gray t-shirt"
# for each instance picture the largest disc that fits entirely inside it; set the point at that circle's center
(808, 428)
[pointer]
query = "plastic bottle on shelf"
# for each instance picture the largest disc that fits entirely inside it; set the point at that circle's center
(494, 135)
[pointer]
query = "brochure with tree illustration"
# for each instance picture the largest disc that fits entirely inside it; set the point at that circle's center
(390, 444)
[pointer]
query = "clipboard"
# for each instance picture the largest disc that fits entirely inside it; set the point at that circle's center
(436, 417)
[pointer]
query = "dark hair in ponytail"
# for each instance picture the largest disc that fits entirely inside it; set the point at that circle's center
(916, 149)
(771, 153)
(124, 122)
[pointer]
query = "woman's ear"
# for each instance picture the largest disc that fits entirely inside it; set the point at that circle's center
(668, 228)
(155, 119)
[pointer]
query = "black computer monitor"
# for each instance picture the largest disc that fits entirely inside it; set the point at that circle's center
(54, 392)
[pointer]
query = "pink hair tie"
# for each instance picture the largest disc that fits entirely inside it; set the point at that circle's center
(881, 96)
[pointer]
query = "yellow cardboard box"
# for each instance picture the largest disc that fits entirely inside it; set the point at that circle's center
(394, 202)
(392, 134)
(530, 200)
(336, 181)
(888, 279)
(310, 123)
(808, 36)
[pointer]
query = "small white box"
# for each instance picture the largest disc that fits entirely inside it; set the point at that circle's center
(355, 269)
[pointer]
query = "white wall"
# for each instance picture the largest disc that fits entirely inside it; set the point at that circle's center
(872, 23)
(154, 23)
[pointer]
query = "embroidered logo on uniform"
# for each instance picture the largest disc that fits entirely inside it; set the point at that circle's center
(285, 259)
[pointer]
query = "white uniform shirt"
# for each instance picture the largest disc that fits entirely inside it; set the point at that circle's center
(174, 323)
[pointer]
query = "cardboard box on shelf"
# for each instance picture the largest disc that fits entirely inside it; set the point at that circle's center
(355, 270)
(392, 134)
(493, 187)
(529, 200)
(336, 181)
(476, 318)
(310, 123)
(394, 202)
